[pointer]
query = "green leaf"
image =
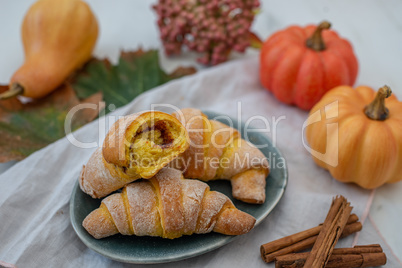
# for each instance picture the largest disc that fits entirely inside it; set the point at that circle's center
(135, 73)
(26, 128)
(255, 41)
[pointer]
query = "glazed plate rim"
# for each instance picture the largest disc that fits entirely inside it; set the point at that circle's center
(187, 252)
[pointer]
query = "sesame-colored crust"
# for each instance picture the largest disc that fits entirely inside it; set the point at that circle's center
(168, 206)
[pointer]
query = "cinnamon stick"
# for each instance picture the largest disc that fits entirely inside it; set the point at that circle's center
(331, 231)
(358, 256)
(302, 240)
(358, 249)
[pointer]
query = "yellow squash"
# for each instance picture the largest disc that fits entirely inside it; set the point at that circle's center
(357, 135)
(58, 37)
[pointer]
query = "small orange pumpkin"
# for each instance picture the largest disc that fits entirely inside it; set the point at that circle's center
(300, 64)
(360, 137)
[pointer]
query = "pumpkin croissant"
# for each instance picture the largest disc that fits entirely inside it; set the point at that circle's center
(136, 146)
(168, 206)
(218, 152)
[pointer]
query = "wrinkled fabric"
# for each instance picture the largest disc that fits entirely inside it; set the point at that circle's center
(34, 194)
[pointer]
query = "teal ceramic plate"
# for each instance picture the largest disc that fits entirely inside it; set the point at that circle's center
(134, 249)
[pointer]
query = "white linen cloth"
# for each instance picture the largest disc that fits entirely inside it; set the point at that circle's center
(35, 228)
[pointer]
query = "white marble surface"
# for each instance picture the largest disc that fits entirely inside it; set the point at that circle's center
(374, 28)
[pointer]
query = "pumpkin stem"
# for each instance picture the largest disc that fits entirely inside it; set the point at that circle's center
(14, 90)
(315, 42)
(376, 110)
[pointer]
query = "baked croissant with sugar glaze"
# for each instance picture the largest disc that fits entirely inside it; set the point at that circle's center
(168, 206)
(217, 151)
(136, 146)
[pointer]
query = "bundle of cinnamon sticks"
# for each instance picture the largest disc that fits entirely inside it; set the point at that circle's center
(323, 238)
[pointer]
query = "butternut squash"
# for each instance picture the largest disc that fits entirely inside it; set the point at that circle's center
(58, 37)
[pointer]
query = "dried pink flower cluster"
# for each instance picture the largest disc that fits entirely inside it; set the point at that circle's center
(211, 27)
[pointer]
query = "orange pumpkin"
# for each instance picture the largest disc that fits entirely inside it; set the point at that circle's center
(58, 37)
(356, 134)
(299, 64)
